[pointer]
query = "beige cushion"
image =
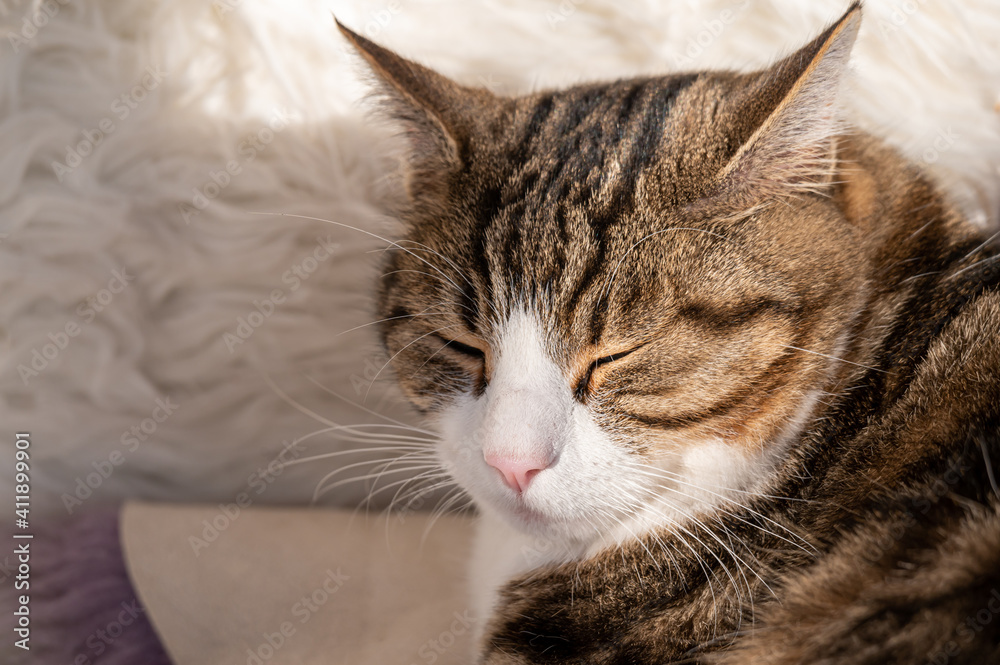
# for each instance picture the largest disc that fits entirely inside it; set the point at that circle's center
(300, 586)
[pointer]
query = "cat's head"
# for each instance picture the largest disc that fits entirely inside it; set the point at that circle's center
(619, 295)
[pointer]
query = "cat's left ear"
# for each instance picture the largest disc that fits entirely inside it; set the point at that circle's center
(793, 110)
(438, 115)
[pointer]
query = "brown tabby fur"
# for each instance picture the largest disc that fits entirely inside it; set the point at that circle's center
(748, 250)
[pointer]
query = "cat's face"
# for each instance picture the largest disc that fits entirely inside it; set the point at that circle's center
(619, 298)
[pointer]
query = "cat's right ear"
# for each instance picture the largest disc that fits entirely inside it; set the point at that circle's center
(790, 118)
(437, 114)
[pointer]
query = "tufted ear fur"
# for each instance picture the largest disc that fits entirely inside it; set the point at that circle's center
(438, 115)
(793, 105)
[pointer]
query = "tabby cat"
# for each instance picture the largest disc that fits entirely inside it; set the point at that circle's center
(721, 372)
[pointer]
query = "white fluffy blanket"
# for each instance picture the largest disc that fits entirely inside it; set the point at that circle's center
(152, 326)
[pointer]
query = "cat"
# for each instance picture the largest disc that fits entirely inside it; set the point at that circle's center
(720, 371)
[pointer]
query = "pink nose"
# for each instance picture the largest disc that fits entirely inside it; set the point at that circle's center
(517, 473)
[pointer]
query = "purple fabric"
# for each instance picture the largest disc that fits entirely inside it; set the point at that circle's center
(84, 610)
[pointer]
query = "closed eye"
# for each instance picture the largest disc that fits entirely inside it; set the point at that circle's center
(613, 357)
(476, 360)
(580, 392)
(465, 349)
